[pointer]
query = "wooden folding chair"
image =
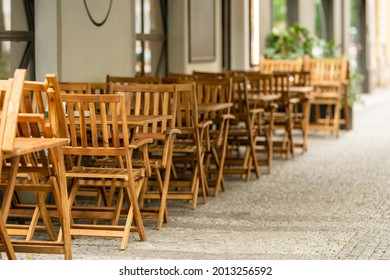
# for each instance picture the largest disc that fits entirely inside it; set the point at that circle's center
(283, 119)
(242, 133)
(189, 148)
(300, 99)
(154, 100)
(328, 77)
(45, 175)
(98, 126)
(261, 97)
(214, 103)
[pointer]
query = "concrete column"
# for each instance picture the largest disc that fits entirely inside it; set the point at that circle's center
(337, 25)
(240, 35)
(302, 12)
(265, 22)
(46, 38)
(345, 25)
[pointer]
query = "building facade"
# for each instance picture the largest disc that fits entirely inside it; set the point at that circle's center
(86, 40)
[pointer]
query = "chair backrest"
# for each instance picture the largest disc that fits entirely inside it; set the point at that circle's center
(281, 85)
(260, 84)
(187, 109)
(239, 98)
(99, 88)
(214, 91)
(10, 109)
(56, 110)
(74, 87)
(150, 99)
(205, 74)
(97, 125)
(327, 70)
(268, 66)
(121, 80)
(5, 89)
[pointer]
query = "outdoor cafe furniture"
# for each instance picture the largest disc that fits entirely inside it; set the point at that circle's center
(154, 100)
(241, 156)
(25, 167)
(98, 126)
(329, 78)
(214, 104)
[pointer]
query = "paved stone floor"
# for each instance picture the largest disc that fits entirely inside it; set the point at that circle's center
(331, 203)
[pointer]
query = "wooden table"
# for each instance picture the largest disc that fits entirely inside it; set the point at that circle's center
(24, 146)
(209, 107)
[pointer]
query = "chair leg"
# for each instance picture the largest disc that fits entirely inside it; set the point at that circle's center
(9, 250)
(336, 122)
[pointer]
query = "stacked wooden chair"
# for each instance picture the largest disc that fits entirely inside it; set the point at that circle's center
(33, 163)
(154, 100)
(262, 97)
(241, 156)
(188, 179)
(214, 104)
(98, 127)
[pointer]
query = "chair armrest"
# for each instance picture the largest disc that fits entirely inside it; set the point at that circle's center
(204, 124)
(172, 131)
(256, 111)
(228, 117)
(140, 142)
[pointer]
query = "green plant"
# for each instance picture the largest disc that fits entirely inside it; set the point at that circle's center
(291, 43)
(296, 41)
(355, 88)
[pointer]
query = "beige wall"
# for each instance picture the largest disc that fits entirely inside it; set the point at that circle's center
(83, 51)
(178, 39)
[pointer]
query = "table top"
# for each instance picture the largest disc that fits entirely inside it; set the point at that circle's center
(207, 107)
(24, 146)
(264, 98)
(301, 89)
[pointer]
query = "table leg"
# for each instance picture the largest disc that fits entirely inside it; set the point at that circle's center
(57, 155)
(9, 250)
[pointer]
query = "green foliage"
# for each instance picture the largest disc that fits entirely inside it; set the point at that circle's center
(355, 87)
(291, 43)
(296, 41)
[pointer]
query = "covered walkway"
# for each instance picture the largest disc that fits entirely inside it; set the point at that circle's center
(331, 203)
